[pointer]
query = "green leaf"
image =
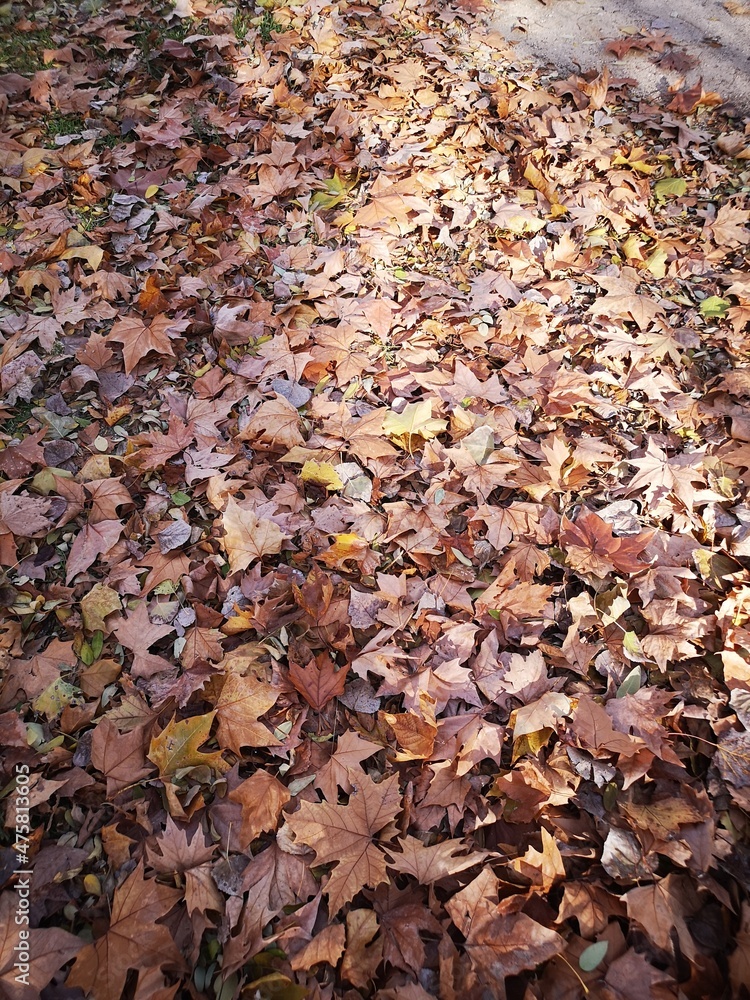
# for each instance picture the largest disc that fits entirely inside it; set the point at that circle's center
(670, 186)
(631, 683)
(714, 306)
(631, 647)
(97, 644)
(180, 499)
(593, 955)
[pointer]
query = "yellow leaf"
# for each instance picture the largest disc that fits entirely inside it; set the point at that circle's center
(414, 421)
(92, 885)
(345, 546)
(176, 746)
(55, 698)
(657, 262)
(93, 255)
(96, 605)
(151, 190)
(631, 247)
(530, 743)
(634, 161)
(322, 474)
(537, 180)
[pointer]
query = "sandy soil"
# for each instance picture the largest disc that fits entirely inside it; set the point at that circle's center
(571, 35)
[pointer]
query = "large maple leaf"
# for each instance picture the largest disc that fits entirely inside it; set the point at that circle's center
(591, 547)
(344, 835)
(241, 703)
(134, 939)
(138, 340)
(500, 940)
(247, 537)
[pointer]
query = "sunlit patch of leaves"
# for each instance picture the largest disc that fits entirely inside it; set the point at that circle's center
(374, 466)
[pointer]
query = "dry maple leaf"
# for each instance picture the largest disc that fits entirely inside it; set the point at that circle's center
(344, 835)
(274, 425)
(327, 946)
(364, 950)
(241, 703)
(590, 546)
(248, 538)
(121, 757)
(92, 541)
(342, 769)
(137, 632)
(134, 939)
(319, 681)
(138, 340)
(668, 903)
(178, 849)
(414, 731)
(500, 940)
(428, 864)
(262, 797)
(415, 421)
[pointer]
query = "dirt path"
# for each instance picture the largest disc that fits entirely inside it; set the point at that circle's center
(572, 34)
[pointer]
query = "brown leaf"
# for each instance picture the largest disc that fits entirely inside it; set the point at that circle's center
(344, 835)
(428, 864)
(500, 941)
(262, 797)
(319, 681)
(134, 939)
(121, 757)
(241, 703)
(248, 538)
(49, 949)
(138, 340)
(342, 770)
(176, 746)
(92, 541)
(327, 946)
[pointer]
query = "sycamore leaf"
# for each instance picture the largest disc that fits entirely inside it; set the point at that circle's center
(591, 547)
(344, 836)
(92, 541)
(138, 340)
(99, 602)
(121, 757)
(670, 186)
(262, 797)
(327, 946)
(319, 681)
(248, 538)
(51, 948)
(428, 864)
(241, 703)
(133, 941)
(415, 421)
(342, 768)
(414, 731)
(322, 474)
(713, 306)
(176, 746)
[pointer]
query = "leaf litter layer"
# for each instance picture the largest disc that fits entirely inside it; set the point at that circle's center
(373, 513)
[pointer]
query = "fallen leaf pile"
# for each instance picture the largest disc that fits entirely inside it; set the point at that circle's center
(373, 514)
